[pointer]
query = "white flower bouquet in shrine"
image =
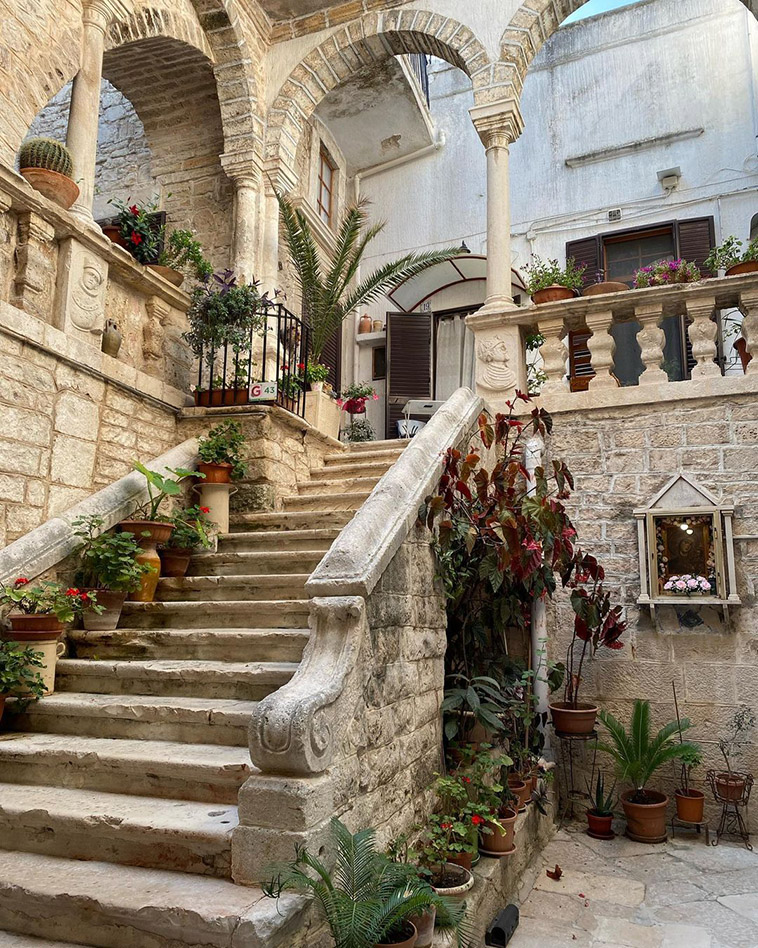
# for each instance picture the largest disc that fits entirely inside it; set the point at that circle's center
(687, 585)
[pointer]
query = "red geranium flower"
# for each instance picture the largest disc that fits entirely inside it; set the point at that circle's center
(466, 779)
(446, 826)
(205, 510)
(21, 581)
(85, 597)
(477, 820)
(136, 239)
(301, 366)
(72, 591)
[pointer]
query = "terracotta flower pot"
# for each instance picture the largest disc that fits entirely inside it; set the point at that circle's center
(599, 827)
(113, 233)
(500, 842)
(690, 805)
(407, 942)
(745, 357)
(41, 633)
(749, 266)
(730, 787)
(521, 790)
(455, 882)
(464, 860)
(175, 563)
(553, 294)
(154, 532)
(219, 397)
(174, 277)
(573, 720)
(59, 188)
(599, 289)
(646, 822)
(106, 621)
(216, 473)
(424, 925)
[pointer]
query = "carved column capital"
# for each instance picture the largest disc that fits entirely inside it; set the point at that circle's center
(244, 169)
(498, 124)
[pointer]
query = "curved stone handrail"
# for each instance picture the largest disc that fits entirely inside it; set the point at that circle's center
(363, 550)
(50, 543)
(296, 730)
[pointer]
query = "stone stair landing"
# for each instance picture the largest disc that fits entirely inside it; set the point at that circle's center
(118, 792)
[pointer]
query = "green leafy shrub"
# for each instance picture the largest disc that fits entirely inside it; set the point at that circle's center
(223, 445)
(107, 559)
(47, 599)
(192, 529)
(160, 488)
(18, 670)
(544, 273)
(182, 252)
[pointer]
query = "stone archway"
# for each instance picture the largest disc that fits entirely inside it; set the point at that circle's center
(370, 39)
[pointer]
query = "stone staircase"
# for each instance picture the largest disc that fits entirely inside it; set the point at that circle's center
(118, 792)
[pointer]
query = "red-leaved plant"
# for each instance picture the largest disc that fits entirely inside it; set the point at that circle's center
(500, 544)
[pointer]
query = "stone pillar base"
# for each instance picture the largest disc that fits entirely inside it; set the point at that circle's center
(323, 412)
(500, 354)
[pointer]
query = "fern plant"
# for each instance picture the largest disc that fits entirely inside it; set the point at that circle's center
(637, 754)
(366, 899)
(329, 290)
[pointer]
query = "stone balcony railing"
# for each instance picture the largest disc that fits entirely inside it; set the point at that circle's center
(61, 279)
(701, 303)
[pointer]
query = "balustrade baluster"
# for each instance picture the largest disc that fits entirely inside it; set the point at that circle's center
(749, 310)
(702, 332)
(651, 339)
(554, 354)
(602, 348)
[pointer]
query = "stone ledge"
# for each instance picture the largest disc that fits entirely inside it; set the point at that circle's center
(36, 332)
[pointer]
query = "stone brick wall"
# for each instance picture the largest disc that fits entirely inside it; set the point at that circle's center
(621, 458)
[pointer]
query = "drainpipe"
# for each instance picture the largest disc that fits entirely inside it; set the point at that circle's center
(532, 460)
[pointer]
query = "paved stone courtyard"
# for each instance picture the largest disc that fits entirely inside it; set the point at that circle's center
(622, 894)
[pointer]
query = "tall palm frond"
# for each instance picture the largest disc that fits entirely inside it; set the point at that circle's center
(325, 287)
(636, 755)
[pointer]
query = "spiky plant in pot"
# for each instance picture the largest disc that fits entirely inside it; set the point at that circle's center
(49, 168)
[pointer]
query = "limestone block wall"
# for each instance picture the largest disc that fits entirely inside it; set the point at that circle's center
(621, 457)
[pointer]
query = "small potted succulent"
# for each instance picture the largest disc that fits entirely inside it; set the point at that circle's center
(150, 527)
(48, 167)
(729, 785)
(638, 755)
(191, 533)
(220, 453)
(600, 814)
(732, 258)
(19, 673)
(666, 273)
(548, 282)
(108, 570)
(181, 255)
(37, 616)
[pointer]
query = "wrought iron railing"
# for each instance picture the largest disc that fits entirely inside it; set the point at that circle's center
(268, 364)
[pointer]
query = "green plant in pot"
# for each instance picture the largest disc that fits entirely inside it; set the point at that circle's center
(220, 453)
(600, 814)
(48, 167)
(138, 229)
(19, 673)
(548, 282)
(181, 256)
(366, 899)
(150, 527)
(638, 754)
(38, 615)
(109, 570)
(315, 375)
(192, 533)
(487, 789)
(731, 257)
(473, 709)
(729, 785)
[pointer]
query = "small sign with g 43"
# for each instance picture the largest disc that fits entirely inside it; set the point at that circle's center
(263, 392)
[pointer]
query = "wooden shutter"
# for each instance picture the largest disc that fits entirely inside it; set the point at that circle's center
(587, 252)
(580, 361)
(409, 363)
(331, 356)
(695, 239)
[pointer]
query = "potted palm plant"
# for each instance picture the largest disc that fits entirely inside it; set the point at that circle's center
(48, 167)
(328, 289)
(220, 453)
(108, 571)
(19, 673)
(367, 899)
(191, 533)
(638, 755)
(548, 282)
(600, 814)
(38, 615)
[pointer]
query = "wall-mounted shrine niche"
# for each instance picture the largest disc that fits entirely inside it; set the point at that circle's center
(686, 548)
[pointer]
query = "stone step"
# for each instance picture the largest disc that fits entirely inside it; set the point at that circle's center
(232, 645)
(264, 614)
(179, 835)
(10, 940)
(371, 453)
(233, 588)
(256, 563)
(281, 540)
(367, 447)
(353, 469)
(111, 906)
(200, 772)
(237, 681)
(327, 502)
(348, 485)
(295, 520)
(136, 717)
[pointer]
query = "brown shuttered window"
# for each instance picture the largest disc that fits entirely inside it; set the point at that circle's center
(586, 252)
(695, 239)
(409, 363)
(580, 361)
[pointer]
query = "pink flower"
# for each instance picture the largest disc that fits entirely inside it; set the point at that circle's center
(376, 397)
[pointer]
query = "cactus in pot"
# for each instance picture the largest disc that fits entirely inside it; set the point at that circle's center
(48, 167)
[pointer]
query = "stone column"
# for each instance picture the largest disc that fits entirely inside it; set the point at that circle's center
(651, 339)
(84, 114)
(554, 354)
(702, 332)
(245, 172)
(602, 348)
(749, 310)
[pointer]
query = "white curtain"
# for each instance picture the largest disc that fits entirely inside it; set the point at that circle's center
(455, 357)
